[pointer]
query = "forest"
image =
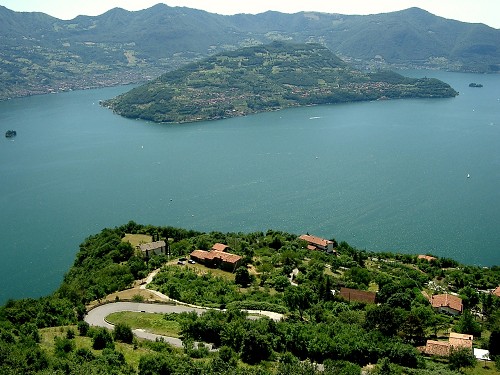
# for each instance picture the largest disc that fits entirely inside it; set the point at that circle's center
(320, 332)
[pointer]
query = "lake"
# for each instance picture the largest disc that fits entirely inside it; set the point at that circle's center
(383, 176)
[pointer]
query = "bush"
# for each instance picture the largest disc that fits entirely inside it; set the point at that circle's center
(83, 328)
(123, 333)
(102, 339)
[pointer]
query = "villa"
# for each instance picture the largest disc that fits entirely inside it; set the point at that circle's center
(317, 243)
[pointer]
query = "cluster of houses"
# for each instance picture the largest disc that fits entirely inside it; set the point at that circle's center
(217, 257)
(220, 257)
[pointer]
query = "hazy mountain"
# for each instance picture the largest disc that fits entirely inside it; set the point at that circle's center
(39, 53)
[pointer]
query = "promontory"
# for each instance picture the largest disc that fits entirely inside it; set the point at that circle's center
(264, 78)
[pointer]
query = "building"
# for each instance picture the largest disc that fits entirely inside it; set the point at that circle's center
(355, 295)
(153, 248)
(428, 258)
(496, 292)
(447, 303)
(443, 348)
(220, 247)
(317, 243)
(437, 348)
(217, 259)
(460, 340)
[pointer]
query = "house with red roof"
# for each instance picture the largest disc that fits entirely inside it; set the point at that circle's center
(443, 348)
(447, 303)
(317, 243)
(217, 259)
(428, 258)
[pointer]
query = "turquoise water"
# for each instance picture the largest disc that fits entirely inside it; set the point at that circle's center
(388, 175)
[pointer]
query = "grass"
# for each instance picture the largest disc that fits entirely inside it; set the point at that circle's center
(482, 369)
(137, 239)
(132, 356)
(154, 323)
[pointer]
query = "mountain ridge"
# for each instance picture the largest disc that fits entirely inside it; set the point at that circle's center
(40, 53)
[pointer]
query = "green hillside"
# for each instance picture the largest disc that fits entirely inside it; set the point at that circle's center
(263, 78)
(319, 323)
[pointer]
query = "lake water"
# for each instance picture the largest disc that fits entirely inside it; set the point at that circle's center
(387, 175)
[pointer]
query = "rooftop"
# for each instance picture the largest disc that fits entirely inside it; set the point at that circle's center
(446, 300)
(315, 240)
(152, 245)
(220, 247)
(214, 254)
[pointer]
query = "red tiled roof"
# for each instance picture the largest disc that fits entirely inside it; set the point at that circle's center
(496, 292)
(446, 300)
(311, 247)
(202, 254)
(459, 340)
(210, 255)
(315, 240)
(427, 257)
(440, 348)
(219, 247)
(356, 295)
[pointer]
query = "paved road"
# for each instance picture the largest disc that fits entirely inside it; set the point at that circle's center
(97, 316)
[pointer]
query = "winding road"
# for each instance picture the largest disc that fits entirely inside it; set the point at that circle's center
(97, 316)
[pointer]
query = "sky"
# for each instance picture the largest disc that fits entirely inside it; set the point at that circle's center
(474, 11)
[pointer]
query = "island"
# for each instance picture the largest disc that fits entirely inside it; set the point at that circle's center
(265, 78)
(10, 133)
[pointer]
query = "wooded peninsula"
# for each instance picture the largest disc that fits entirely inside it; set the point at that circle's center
(265, 78)
(342, 310)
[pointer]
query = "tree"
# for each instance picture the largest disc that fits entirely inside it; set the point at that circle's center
(102, 339)
(359, 276)
(494, 342)
(468, 324)
(242, 277)
(123, 333)
(470, 298)
(255, 347)
(83, 327)
(298, 298)
(461, 357)
(63, 346)
(384, 319)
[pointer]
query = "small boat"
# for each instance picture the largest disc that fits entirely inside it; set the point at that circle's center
(473, 84)
(468, 175)
(10, 133)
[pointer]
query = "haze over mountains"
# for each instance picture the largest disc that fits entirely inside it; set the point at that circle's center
(40, 53)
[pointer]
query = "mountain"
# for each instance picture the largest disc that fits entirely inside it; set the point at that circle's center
(40, 53)
(263, 78)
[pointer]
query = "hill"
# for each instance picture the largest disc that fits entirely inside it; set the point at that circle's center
(343, 332)
(263, 78)
(40, 54)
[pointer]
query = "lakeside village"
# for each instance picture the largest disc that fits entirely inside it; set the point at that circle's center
(220, 256)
